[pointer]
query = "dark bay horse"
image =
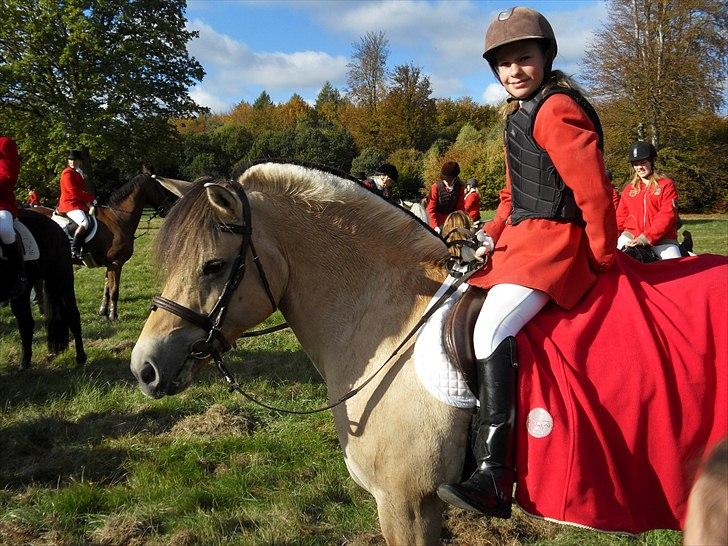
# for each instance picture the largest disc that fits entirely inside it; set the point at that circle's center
(55, 269)
(352, 275)
(113, 244)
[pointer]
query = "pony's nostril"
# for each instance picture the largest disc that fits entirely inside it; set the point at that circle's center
(148, 374)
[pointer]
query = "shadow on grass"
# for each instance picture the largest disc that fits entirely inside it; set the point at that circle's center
(48, 450)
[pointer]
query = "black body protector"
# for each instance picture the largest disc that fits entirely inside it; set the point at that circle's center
(537, 189)
(447, 200)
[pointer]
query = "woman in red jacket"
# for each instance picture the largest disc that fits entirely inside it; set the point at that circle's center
(9, 170)
(647, 214)
(75, 200)
(472, 200)
(553, 233)
(446, 195)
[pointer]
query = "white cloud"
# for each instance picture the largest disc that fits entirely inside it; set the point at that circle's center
(494, 94)
(232, 67)
(204, 98)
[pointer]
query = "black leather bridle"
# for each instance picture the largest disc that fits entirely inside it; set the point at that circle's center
(212, 322)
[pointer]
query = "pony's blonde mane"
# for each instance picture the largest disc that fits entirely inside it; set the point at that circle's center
(340, 207)
(342, 203)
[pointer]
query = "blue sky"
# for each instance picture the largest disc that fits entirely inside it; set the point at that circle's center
(294, 46)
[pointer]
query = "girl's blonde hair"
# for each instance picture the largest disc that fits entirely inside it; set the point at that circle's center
(457, 225)
(652, 184)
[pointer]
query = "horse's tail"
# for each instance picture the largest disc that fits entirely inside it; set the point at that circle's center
(55, 317)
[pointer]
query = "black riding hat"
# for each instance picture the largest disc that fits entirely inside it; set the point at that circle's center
(75, 154)
(642, 150)
(389, 170)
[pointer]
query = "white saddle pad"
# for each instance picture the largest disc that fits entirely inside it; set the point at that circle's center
(27, 241)
(64, 221)
(433, 367)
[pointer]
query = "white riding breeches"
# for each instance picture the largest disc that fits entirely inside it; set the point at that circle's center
(507, 309)
(7, 231)
(79, 217)
(664, 251)
(668, 251)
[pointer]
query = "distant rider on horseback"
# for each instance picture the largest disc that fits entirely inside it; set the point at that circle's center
(647, 211)
(9, 170)
(75, 200)
(553, 232)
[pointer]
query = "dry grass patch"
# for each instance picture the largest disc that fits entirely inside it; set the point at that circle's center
(124, 530)
(216, 421)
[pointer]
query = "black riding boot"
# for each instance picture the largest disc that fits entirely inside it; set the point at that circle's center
(77, 244)
(490, 488)
(14, 253)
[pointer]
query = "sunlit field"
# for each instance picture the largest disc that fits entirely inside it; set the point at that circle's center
(87, 459)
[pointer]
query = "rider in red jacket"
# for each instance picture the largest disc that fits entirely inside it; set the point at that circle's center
(647, 212)
(9, 171)
(553, 233)
(446, 196)
(472, 200)
(75, 200)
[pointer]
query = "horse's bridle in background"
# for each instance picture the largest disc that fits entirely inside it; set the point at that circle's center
(211, 322)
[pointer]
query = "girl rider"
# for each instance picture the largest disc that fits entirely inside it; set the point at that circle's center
(553, 233)
(646, 214)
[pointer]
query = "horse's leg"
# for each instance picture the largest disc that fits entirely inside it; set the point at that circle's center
(73, 318)
(406, 521)
(104, 309)
(114, 277)
(26, 325)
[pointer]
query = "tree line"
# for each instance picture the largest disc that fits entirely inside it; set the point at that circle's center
(113, 77)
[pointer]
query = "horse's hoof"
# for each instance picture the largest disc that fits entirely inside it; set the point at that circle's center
(81, 360)
(103, 312)
(23, 366)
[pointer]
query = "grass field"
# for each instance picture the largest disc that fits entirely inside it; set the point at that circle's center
(87, 459)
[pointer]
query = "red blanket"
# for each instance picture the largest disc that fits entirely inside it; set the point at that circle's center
(622, 395)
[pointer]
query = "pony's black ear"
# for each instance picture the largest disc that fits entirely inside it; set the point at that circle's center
(224, 201)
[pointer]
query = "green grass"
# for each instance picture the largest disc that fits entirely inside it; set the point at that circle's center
(86, 458)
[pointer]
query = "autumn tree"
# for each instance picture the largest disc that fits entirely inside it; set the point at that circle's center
(368, 70)
(407, 111)
(101, 74)
(664, 60)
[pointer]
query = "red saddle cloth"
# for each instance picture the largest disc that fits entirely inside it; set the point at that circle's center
(622, 396)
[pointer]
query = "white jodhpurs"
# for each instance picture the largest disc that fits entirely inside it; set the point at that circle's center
(668, 251)
(79, 217)
(624, 238)
(507, 309)
(7, 231)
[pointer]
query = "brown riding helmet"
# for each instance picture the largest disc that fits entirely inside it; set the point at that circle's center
(516, 24)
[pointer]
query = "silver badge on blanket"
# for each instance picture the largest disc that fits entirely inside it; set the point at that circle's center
(539, 423)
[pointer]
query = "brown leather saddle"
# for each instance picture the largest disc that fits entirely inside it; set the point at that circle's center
(457, 334)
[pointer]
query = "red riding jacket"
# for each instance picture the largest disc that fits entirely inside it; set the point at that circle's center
(559, 258)
(73, 192)
(472, 205)
(438, 218)
(651, 214)
(9, 170)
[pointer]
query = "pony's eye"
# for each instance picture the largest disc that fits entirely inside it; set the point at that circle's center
(213, 267)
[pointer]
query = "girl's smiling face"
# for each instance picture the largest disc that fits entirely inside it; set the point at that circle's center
(643, 168)
(520, 67)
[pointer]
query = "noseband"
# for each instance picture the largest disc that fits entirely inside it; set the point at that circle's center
(211, 322)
